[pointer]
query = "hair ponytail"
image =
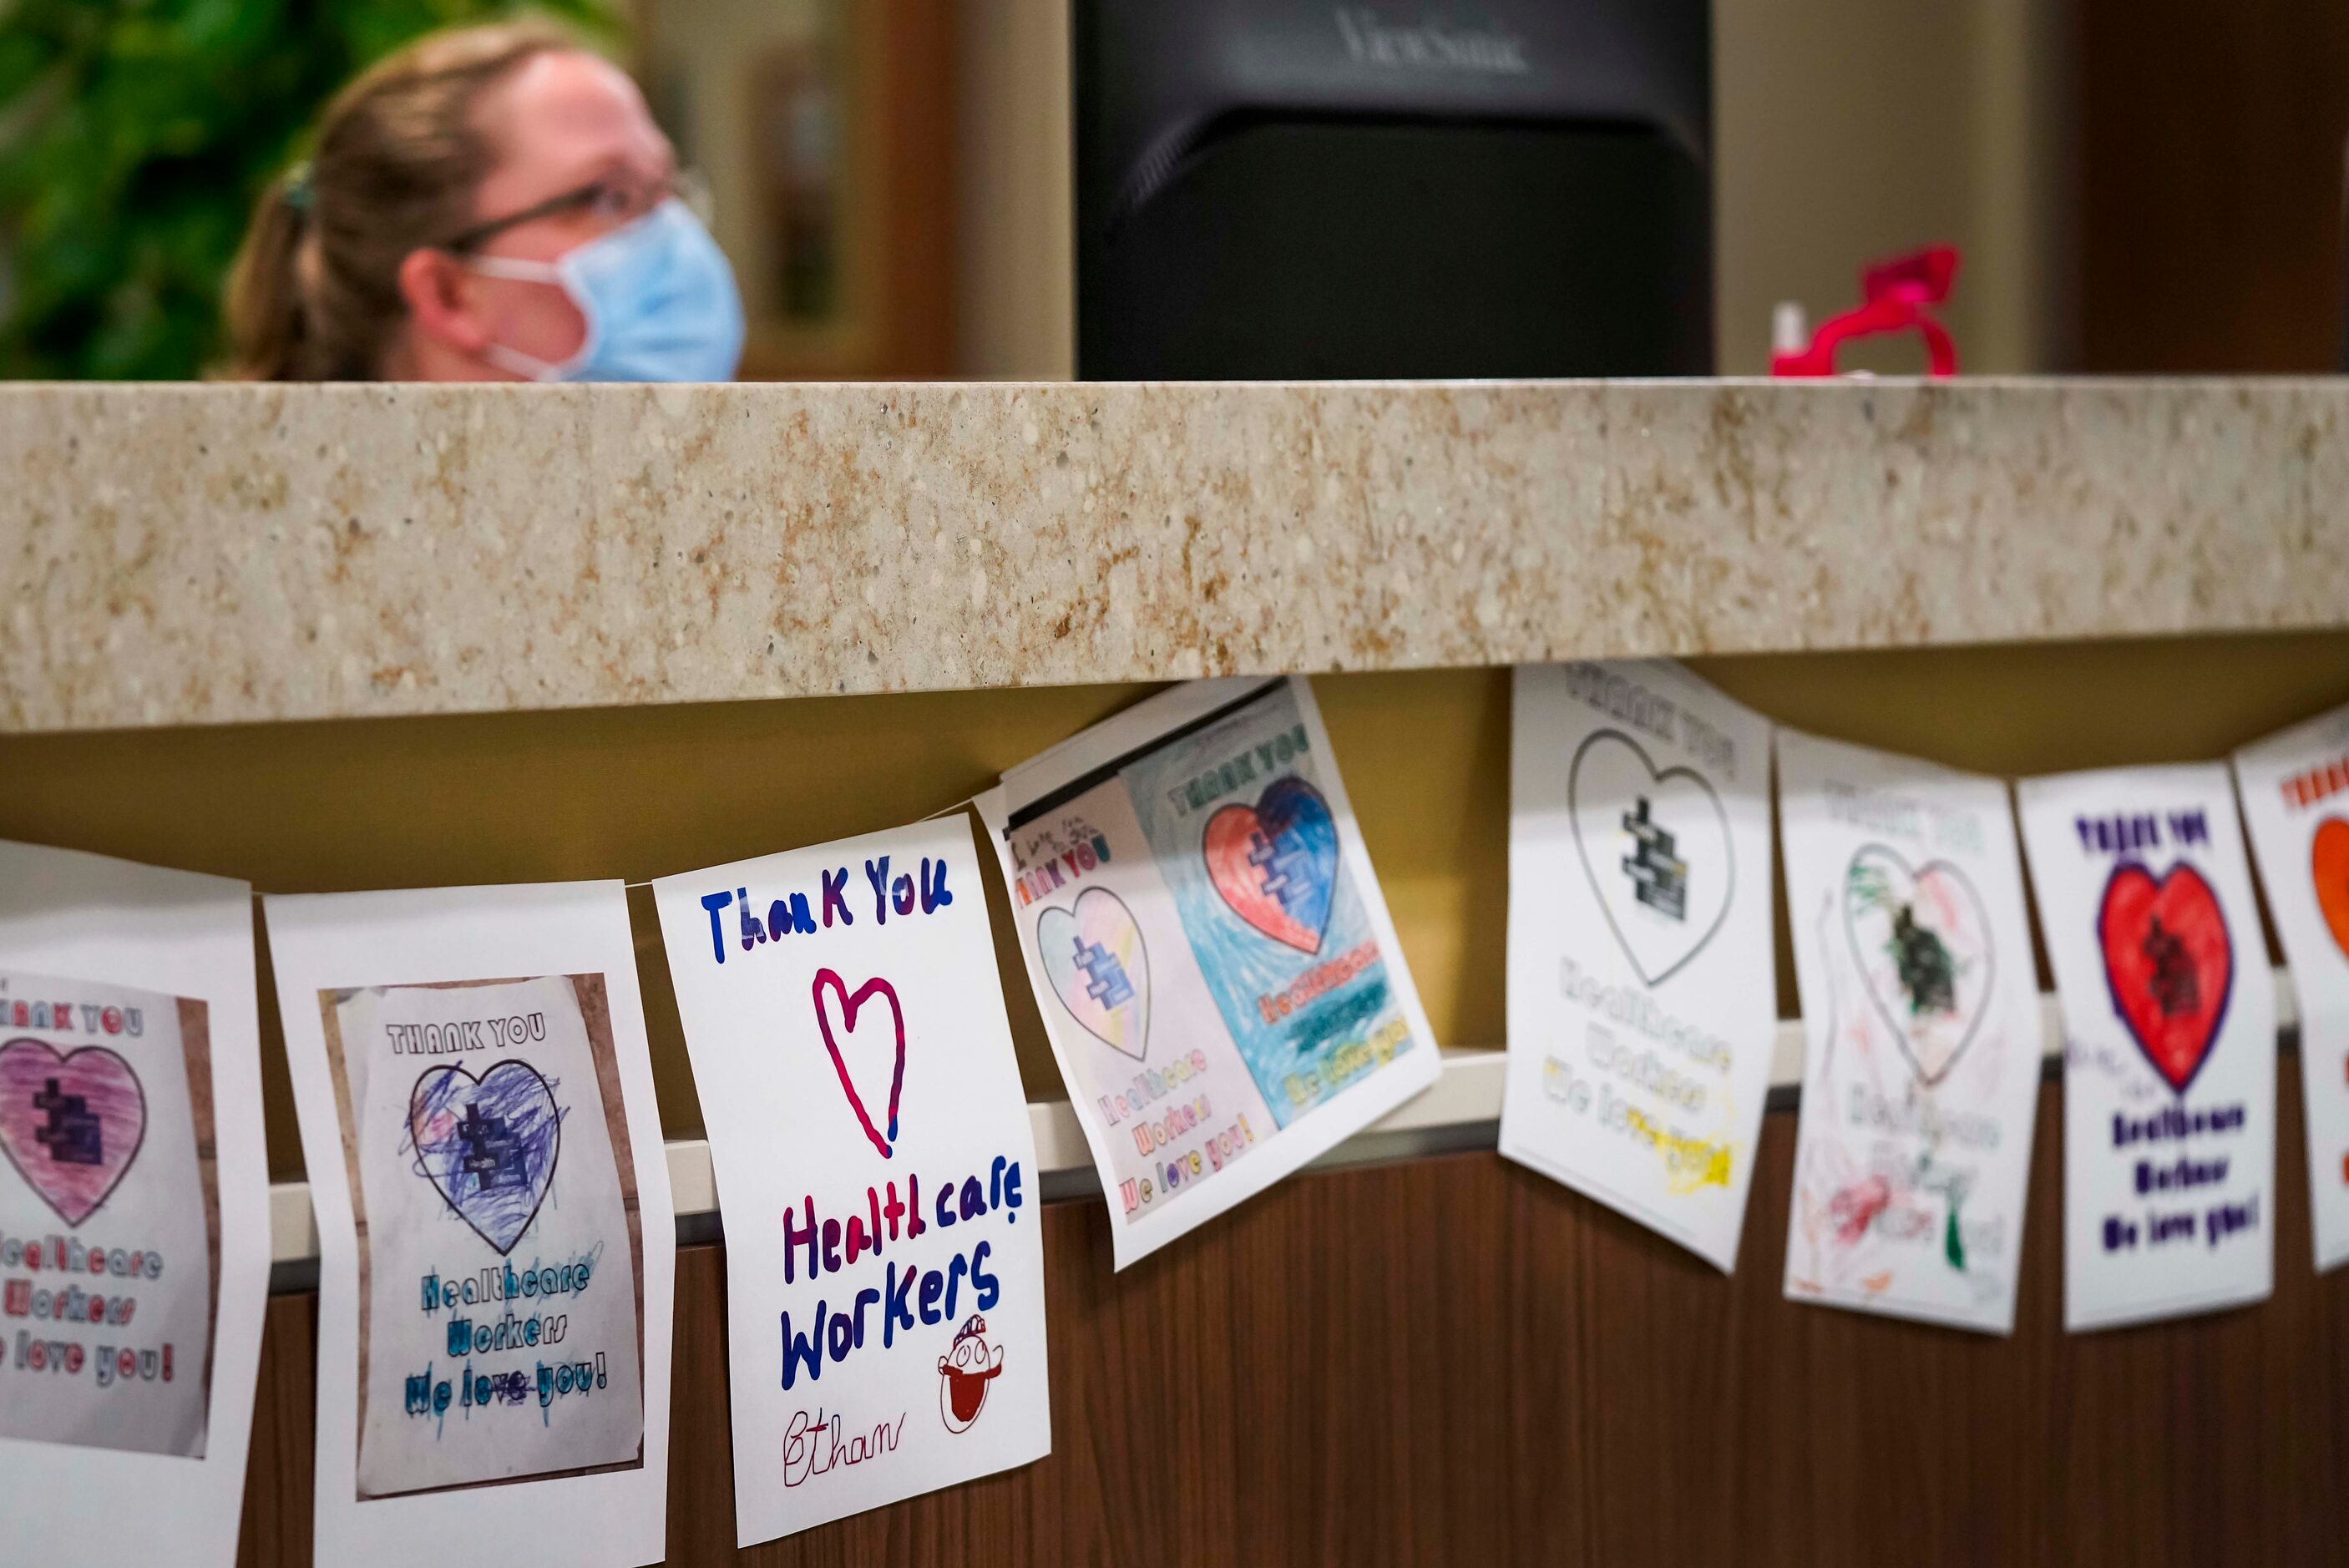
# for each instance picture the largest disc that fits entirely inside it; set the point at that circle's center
(315, 293)
(266, 313)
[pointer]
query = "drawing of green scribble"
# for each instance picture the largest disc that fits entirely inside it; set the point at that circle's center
(1928, 973)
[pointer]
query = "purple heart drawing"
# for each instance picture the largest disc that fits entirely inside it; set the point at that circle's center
(487, 1144)
(71, 1124)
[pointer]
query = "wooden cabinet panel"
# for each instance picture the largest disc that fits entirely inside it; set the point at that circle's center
(1452, 1360)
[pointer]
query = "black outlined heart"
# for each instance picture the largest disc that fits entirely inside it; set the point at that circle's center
(1603, 787)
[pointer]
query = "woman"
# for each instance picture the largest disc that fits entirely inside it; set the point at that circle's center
(493, 203)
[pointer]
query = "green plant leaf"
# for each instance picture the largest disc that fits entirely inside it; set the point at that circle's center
(135, 138)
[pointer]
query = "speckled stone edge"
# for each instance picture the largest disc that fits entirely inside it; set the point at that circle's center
(215, 554)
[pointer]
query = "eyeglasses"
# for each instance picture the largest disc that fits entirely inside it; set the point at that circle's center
(609, 202)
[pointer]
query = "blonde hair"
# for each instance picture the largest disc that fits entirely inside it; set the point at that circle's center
(315, 293)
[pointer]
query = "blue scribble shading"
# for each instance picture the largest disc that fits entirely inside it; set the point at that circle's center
(1295, 852)
(488, 1145)
(1241, 965)
(1348, 1015)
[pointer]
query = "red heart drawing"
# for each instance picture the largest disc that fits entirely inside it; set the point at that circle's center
(70, 1122)
(2169, 963)
(849, 1004)
(2328, 859)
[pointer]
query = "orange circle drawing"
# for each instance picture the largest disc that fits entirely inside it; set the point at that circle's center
(2329, 865)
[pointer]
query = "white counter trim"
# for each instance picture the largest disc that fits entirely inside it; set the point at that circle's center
(1463, 1102)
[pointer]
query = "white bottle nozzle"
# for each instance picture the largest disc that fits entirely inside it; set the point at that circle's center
(1790, 328)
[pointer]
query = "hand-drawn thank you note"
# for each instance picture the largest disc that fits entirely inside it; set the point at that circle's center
(2295, 793)
(468, 1103)
(884, 1241)
(2169, 1041)
(133, 1207)
(473, 1085)
(1921, 1013)
(112, 1156)
(1642, 998)
(1208, 947)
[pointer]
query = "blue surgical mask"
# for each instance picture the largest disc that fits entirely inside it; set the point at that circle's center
(659, 298)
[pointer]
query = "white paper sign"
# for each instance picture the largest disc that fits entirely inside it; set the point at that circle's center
(496, 1242)
(2169, 1043)
(1920, 1018)
(100, 1134)
(134, 1219)
(1208, 947)
(1642, 995)
(2295, 791)
(885, 1261)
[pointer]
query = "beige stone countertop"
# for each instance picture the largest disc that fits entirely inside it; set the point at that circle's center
(213, 555)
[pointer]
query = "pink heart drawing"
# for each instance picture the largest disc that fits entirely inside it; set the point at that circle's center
(71, 1124)
(850, 1001)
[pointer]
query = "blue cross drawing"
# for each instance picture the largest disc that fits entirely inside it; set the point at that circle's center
(71, 1135)
(1105, 978)
(490, 1154)
(1279, 861)
(1658, 879)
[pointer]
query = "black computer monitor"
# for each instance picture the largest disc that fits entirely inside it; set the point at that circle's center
(1302, 188)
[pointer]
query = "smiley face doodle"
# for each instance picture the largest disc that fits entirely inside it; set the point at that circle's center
(964, 1374)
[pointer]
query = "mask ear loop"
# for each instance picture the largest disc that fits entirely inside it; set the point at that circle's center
(530, 367)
